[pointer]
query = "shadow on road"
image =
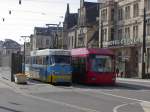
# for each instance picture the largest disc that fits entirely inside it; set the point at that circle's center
(9, 109)
(118, 85)
(123, 86)
(133, 86)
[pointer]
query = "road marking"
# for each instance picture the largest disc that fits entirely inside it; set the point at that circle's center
(109, 94)
(146, 107)
(75, 106)
(119, 106)
(62, 103)
(134, 99)
(84, 109)
(115, 109)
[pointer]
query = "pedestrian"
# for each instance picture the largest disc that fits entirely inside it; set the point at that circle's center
(121, 74)
(117, 72)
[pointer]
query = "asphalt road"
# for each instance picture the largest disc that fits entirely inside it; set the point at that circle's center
(126, 96)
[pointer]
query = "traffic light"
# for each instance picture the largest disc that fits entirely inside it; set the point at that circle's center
(10, 12)
(3, 19)
(19, 2)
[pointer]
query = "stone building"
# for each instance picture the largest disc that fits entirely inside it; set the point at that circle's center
(124, 33)
(87, 26)
(10, 46)
(81, 29)
(45, 37)
(69, 29)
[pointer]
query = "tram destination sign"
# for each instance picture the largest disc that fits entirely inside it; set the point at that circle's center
(61, 53)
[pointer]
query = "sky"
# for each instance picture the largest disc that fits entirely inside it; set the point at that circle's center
(30, 14)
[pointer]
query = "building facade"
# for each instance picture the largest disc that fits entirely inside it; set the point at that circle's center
(124, 33)
(10, 46)
(69, 29)
(46, 37)
(87, 26)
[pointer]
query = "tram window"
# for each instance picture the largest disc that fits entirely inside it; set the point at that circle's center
(49, 59)
(36, 60)
(33, 60)
(75, 61)
(39, 61)
(82, 61)
(44, 60)
(82, 65)
(27, 60)
(75, 64)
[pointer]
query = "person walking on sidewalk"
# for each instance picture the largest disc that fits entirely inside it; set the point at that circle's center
(117, 72)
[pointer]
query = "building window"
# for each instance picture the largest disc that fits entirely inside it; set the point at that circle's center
(47, 42)
(105, 34)
(120, 34)
(104, 15)
(135, 31)
(112, 14)
(127, 12)
(127, 32)
(80, 42)
(148, 29)
(41, 43)
(147, 4)
(120, 14)
(136, 10)
(112, 34)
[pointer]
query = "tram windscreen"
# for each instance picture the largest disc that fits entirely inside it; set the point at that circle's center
(61, 59)
(102, 63)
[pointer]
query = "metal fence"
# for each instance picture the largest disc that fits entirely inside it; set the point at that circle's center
(10, 65)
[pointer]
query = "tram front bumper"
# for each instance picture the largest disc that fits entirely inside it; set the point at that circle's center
(60, 78)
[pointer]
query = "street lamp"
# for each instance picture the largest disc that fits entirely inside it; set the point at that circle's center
(144, 44)
(24, 38)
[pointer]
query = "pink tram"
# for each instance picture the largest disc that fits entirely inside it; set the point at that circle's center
(93, 66)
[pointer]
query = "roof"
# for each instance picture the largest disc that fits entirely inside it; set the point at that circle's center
(85, 51)
(11, 44)
(45, 52)
(46, 30)
(90, 4)
(90, 14)
(70, 18)
(92, 10)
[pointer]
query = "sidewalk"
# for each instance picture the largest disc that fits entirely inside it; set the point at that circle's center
(141, 84)
(134, 80)
(33, 86)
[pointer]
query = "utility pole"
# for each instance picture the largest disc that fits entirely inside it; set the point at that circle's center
(144, 45)
(62, 36)
(24, 47)
(55, 43)
(101, 34)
